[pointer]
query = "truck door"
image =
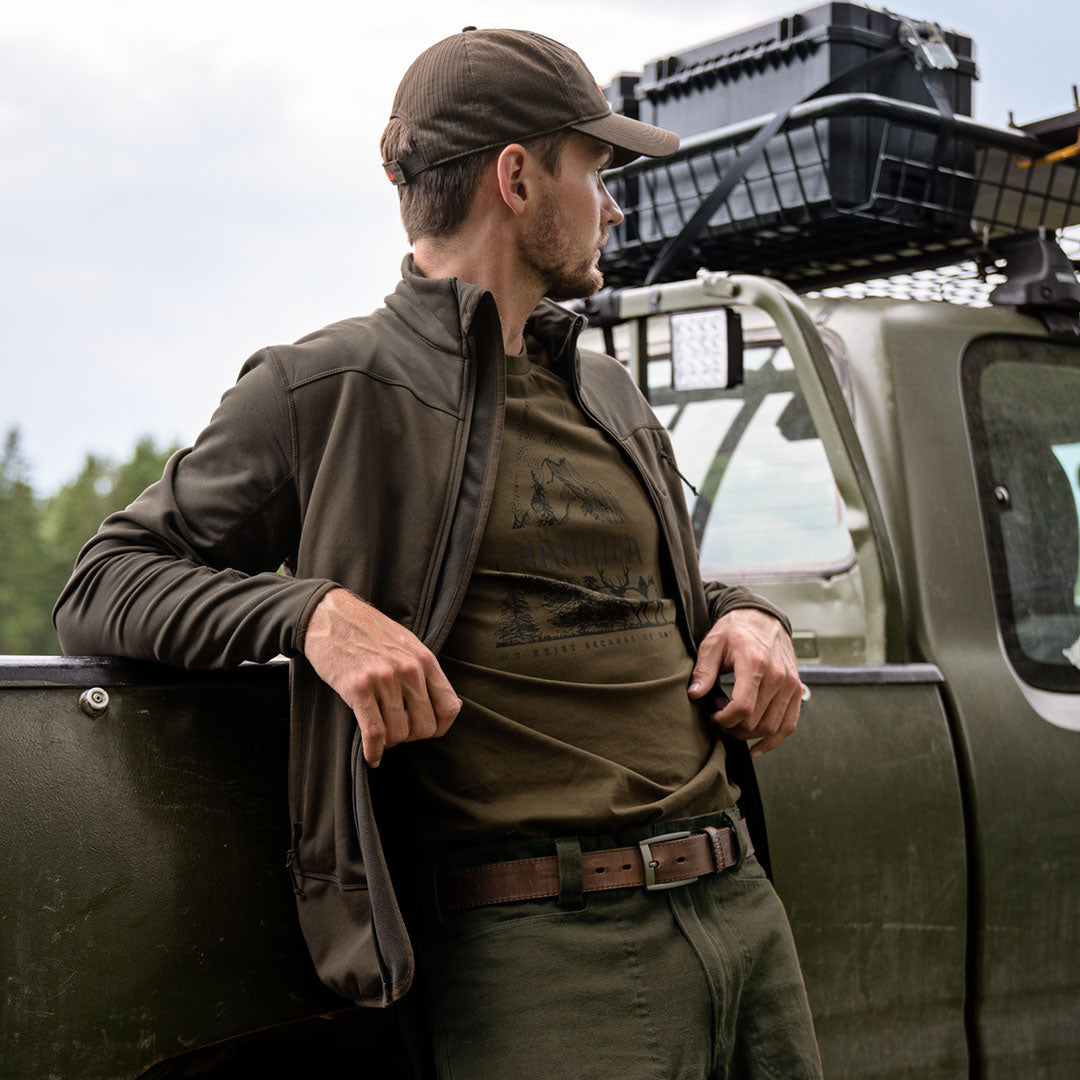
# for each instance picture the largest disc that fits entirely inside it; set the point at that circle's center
(1019, 714)
(981, 438)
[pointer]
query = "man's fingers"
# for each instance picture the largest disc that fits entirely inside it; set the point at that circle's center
(387, 676)
(786, 728)
(442, 700)
(738, 711)
(778, 722)
(397, 722)
(431, 705)
(372, 732)
(706, 670)
(447, 705)
(763, 746)
(791, 718)
(747, 701)
(418, 703)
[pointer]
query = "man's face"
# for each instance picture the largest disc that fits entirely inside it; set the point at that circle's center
(575, 212)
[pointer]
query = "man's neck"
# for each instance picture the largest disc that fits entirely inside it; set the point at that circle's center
(490, 262)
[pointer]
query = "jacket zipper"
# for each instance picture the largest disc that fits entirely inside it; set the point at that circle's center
(435, 563)
(437, 622)
(298, 784)
(654, 498)
(358, 767)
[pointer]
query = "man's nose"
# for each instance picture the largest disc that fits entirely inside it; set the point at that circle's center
(612, 214)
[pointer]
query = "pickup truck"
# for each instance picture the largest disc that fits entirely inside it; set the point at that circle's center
(901, 476)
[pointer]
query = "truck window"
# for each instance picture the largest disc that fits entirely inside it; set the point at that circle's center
(766, 499)
(1023, 400)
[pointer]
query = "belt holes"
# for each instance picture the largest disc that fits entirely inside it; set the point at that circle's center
(627, 866)
(601, 870)
(681, 858)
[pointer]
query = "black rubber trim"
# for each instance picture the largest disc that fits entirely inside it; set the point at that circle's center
(116, 671)
(863, 675)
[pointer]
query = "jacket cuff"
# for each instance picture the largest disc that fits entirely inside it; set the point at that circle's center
(300, 633)
(723, 599)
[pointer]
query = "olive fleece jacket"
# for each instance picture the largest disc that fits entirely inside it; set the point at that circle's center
(364, 456)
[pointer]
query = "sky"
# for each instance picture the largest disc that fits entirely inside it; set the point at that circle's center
(183, 183)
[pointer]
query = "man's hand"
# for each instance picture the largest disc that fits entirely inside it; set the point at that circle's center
(767, 694)
(386, 675)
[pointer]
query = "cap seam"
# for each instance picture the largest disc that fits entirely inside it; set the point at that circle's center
(473, 88)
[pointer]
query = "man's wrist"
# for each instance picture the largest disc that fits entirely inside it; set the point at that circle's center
(321, 591)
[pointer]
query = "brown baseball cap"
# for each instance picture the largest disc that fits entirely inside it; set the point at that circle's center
(482, 89)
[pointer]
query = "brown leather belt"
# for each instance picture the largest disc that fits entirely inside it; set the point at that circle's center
(657, 862)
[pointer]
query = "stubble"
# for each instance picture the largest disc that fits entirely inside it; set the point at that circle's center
(555, 256)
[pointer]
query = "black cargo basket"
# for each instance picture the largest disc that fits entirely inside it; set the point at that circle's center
(853, 186)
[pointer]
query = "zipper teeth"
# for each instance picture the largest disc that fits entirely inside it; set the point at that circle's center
(357, 749)
(385, 975)
(300, 780)
(433, 636)
(435, 564)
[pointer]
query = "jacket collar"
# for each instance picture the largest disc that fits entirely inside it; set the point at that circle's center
(558, 329)
(443, 311)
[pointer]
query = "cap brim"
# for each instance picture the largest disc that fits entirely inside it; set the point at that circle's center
(629, 138)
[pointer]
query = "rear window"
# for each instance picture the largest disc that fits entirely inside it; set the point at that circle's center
(1024, 409)
(766, 500)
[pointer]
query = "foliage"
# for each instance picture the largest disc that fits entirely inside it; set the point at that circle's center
(40, 538)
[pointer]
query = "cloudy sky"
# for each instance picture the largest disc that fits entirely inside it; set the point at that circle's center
(183, 183)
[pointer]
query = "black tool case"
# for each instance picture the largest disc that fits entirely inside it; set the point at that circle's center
(748, 74)
(882, 169)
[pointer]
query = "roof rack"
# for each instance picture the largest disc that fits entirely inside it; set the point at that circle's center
(969, 282)
(937, 190)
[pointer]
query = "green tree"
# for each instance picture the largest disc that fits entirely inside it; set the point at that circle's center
(26, 569)
(72, 514)
(40, 538)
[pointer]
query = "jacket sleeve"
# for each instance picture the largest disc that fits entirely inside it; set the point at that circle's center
(185, 575)
(724, 598)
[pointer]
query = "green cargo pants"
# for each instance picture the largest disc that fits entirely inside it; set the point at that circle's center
(699, 982)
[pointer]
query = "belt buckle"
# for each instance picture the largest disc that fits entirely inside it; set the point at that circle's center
(651, 884)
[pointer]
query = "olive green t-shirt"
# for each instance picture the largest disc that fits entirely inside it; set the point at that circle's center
(566, 653)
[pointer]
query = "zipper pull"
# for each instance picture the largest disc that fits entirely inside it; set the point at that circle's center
(671, 461)
(290, 859)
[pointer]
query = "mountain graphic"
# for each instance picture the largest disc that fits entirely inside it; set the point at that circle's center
(557, 488)
(538, 609)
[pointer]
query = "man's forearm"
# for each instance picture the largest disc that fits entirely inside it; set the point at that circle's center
(185, 574)
(128, 598)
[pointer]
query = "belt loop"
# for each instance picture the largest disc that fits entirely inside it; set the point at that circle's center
(733, 818)
(571, 893)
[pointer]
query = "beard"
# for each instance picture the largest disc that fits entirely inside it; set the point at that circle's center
(554, 255)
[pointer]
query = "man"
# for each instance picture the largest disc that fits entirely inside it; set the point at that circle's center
(487, 541)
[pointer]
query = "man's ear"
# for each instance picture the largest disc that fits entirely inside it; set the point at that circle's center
(511, 171)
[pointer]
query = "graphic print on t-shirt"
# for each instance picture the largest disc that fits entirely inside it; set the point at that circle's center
(571, 564)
